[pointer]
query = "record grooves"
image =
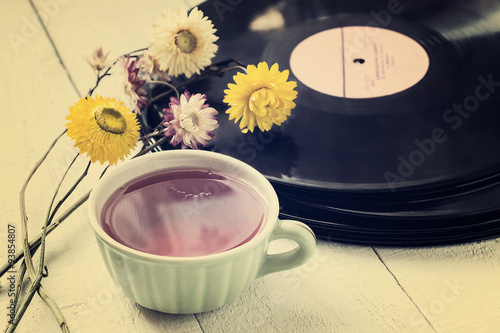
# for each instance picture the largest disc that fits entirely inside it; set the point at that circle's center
(396, 163)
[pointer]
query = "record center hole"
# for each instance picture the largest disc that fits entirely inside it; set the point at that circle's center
(359, 61)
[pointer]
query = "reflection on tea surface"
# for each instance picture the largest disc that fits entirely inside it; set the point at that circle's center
(183, 213)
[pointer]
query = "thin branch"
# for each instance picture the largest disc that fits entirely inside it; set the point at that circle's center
(35, 277)
(35, 243)
(59, 204)
(24, 305)
(136, 51)
(22, 202)
(19, 284)
(47, 219)
(106, 73)
(55, 309)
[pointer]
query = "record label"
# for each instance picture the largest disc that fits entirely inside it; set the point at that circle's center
(359, 62)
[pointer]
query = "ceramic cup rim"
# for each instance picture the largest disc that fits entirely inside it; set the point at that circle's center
(264, 189)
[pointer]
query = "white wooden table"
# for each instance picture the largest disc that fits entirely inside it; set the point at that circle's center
(344, 288)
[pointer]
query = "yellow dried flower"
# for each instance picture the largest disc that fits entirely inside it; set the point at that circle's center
(261, 98)
(104, 128)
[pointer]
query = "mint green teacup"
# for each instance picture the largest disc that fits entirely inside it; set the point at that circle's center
(202, 283)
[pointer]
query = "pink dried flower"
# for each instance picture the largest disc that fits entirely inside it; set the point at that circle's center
(133, 84)
(190, 121)
(99, 60)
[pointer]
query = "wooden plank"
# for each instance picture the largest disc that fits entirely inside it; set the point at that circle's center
(342, 289)
(456, 287)
(36, 96)
(117, 27)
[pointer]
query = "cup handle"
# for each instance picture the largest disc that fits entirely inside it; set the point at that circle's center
(297, 232)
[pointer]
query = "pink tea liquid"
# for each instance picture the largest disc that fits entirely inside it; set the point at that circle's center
(183, 213)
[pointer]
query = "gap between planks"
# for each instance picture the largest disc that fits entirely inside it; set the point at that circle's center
(403, 289)
(51, 41)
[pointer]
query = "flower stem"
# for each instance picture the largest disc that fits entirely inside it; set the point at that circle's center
(233, 68)
(150, 135)
(166, 84)
(212, 70)
(147, 149)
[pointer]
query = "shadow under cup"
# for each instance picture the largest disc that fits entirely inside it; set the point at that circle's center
(191, 284)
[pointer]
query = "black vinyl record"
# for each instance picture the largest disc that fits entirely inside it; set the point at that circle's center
(373, 144)
(406, 164)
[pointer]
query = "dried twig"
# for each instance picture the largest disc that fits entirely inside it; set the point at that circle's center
(35, 277)
(35, 243)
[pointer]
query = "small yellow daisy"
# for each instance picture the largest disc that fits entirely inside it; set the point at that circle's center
(104, 128)
(261, 98)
